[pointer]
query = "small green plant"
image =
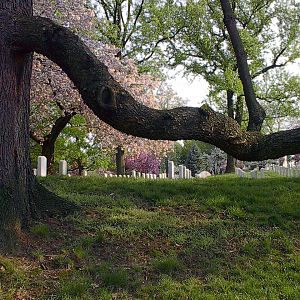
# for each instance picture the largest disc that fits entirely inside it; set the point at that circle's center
(80, 252)
(88, 241)
(167, 288)
(250, 247)
(236, 212)
(41, 230)
(74, 286)
(63, 261)
(39, 255)
(167, 264)
(111, 278)
(115, 278)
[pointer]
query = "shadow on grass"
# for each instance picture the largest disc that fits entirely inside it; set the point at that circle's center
(219, 235)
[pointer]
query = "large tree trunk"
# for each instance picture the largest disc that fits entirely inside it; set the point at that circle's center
(20, 194)
(16, 178)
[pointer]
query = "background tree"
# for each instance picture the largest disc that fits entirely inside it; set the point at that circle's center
(270, 36)
(214, 161)
(143, 162)
(193, 160)
(138, 29)
(56, 99)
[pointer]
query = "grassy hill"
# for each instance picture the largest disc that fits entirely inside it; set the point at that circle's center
(215, 238)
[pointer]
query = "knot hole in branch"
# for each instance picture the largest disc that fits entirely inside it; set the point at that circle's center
(107, 98)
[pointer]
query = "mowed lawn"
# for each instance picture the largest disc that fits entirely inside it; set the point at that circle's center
(217, 238)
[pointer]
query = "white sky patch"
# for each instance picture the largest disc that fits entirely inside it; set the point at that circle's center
(192, 88)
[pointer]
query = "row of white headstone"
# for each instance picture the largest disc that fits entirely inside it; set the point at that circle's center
(184, 173)
(284, 171)
(135, 174)
(252, 174)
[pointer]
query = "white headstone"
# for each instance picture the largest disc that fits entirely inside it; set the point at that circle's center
(187, 173)
(285, 162)
(262, 173)
(203, 174)
(133, 173)
(181, 171)
(281, 171)
(105, 175)
(63, 168)
(143, 175)
(84, 173)
(42, 166)
(171, 173)
(253, 174)
(34, 171)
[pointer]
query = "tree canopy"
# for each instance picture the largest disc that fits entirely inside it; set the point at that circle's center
(116, 106)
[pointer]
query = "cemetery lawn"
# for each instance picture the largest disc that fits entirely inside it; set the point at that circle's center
(215, 238)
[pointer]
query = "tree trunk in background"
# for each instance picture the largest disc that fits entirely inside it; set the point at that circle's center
(48, 147)
(16, 177)
(230, 165)
(239, 110)
(120, 161)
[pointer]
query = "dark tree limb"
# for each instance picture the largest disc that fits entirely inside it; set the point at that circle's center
(36, 138)
(48, 142)
(90, 76)
(273, 65)
(256, 112)
(230, 165)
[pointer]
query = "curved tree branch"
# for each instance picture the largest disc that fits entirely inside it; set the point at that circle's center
(115, 106)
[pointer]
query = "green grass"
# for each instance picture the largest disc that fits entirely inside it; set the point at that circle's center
(41, 230)
(217, 238)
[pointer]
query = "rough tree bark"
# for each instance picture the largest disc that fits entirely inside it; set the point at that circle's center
(16, 178)
(21, 197)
